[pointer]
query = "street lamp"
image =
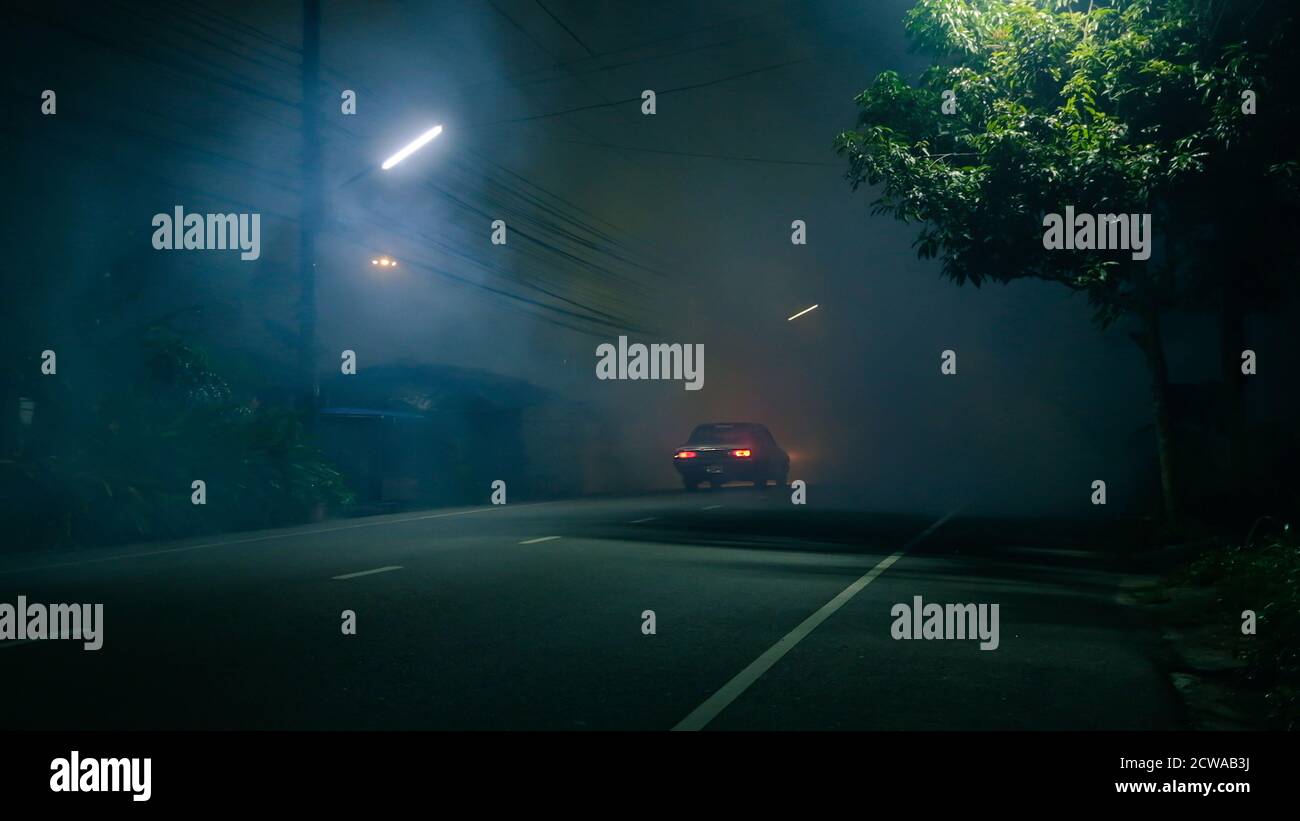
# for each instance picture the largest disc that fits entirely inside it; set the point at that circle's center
(412, 147)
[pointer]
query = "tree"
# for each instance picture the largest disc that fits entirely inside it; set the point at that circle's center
(1121, 107)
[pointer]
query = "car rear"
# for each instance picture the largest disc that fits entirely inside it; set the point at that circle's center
(723, 452)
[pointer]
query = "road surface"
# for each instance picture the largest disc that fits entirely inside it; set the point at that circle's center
(768, 615)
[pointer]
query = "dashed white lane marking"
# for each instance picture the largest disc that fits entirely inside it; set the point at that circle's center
(272, 536)
(643, 521)
(369, 572)
(710, 507)
(539, 539)
(732, 690)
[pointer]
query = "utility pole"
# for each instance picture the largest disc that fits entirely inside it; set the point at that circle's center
(311, 207)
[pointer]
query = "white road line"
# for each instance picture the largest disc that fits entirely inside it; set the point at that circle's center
(642, 521)
(369, 572)
(732, 690)
(540, 539)
(15, 643)
(14, 570)
(710, 507)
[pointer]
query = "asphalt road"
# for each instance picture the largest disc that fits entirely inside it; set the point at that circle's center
(482, 626)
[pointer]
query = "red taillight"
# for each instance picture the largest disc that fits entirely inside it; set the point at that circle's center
(743, 453)
(686, 454)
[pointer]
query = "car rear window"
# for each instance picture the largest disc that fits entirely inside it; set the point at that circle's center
(725, 434)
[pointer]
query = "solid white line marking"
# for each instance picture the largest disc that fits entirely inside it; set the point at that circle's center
(14, 570)
(15, 643)
(710, 507)
(541, 539)
(732, 690)
(370, 572)
(641, 521)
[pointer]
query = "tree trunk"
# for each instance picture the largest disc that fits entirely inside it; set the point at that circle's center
(1151, 342)
(1232, 341)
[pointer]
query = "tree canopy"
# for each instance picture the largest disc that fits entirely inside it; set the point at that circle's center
(1128, 106)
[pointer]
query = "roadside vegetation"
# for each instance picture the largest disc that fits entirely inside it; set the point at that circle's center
(1263, 578)
(117, 464)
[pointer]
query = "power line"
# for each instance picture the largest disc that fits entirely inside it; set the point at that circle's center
(368, 170)
(244, 85)
(540, 47)
(115, 166)
(603, 144)
(251, 30)
(732, 158)
(614, 241)
(196, 22)
(665, 91)
(283, 183)
(509, 78)
(691, 50)
(567, 30)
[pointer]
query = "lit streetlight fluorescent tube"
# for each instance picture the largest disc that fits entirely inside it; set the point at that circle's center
(414, 146)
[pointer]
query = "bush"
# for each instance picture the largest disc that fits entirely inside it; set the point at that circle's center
(1265, 579)
(123, 470)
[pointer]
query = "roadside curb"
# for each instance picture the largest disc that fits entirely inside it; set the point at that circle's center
(1201, 670)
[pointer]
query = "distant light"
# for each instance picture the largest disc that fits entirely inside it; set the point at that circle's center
(415, 145)
(801, 313)
(384, 262)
